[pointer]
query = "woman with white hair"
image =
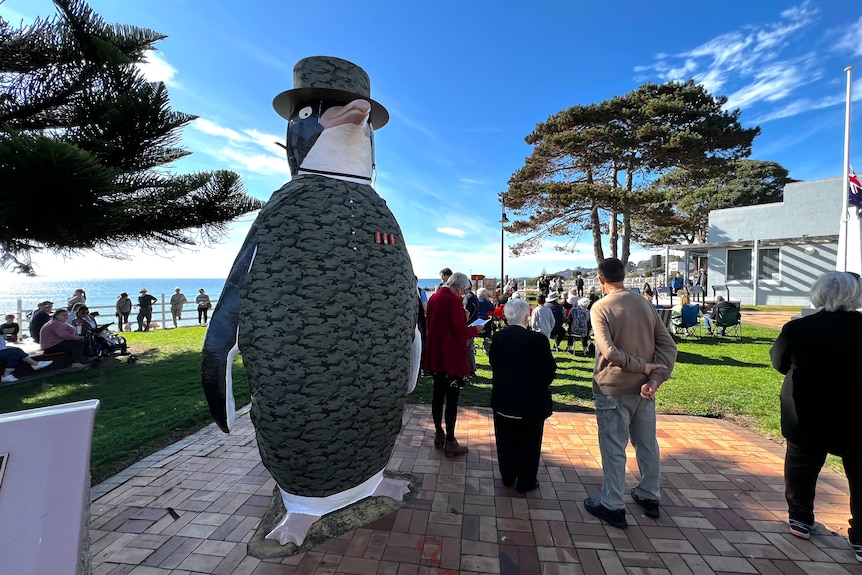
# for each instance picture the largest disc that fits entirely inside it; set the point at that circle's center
(446, 357)
(522, 372)
(486, 304)
(820, 399)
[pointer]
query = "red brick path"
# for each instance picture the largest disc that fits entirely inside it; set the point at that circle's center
(722, 511)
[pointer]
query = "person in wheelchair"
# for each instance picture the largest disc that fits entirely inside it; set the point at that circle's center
(98, 340)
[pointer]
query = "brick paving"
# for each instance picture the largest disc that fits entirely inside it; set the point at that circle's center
(192, 508)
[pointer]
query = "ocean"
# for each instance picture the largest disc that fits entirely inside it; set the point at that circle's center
(106, 292)
(100, 292)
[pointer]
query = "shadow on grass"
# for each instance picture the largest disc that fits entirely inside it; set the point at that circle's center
(695, 359)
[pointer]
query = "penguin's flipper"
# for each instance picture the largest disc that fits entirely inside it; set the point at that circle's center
(415, 361)
(220, 345)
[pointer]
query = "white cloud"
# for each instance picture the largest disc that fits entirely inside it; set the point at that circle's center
(758, 64)
(248, 149)
(452, 232)
(155, 68)
(471, 181)
(849, 41)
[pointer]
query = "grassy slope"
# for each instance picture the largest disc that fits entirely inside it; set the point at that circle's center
(144, 406)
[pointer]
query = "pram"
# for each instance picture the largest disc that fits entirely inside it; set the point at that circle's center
(101, 343)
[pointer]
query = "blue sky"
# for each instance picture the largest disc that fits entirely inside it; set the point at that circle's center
(464, 82)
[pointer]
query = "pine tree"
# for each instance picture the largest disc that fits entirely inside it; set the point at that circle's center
(85, 144)
(591, 164)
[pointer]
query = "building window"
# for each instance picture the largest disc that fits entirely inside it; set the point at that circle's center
(767, 264)
(739, 265)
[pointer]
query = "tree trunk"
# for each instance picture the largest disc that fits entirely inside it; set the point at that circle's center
(597, 234)
(627, 237)
(613, 233)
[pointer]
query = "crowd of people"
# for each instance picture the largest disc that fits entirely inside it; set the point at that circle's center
(634, 355)
(73, 329)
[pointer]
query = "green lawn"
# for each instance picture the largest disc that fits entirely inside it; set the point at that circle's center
(144, 406)
(714, 377)
(150, 404)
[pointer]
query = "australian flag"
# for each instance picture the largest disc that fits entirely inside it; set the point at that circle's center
(855, 192)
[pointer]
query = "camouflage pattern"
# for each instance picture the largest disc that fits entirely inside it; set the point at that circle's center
(326, 326)
(332, 73)
(329, 78)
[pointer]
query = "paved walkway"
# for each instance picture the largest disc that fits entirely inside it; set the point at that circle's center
(191, 509)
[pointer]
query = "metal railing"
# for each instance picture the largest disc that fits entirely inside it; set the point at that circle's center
(161, 317)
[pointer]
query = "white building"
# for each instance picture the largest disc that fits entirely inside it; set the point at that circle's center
(771, 254)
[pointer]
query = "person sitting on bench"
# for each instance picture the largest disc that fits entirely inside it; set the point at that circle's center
(58, 336)
(13, 356)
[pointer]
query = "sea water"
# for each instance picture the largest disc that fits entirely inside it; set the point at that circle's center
(100, 291)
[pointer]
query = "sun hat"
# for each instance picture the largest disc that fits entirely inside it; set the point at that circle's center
(329, 78)
(553, 296)
(144, 290)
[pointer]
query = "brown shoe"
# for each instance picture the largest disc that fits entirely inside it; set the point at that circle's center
(452, 449)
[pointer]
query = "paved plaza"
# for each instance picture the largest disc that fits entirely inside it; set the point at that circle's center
(192, 508)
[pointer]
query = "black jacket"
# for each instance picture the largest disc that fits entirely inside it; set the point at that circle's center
(822, 392)
(522, 371)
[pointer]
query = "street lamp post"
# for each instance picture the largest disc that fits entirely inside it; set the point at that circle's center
(503, 221)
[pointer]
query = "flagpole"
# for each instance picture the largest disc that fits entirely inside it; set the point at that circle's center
(845, 182)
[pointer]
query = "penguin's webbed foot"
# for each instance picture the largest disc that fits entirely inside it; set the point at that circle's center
(293, 528)
(392, 488)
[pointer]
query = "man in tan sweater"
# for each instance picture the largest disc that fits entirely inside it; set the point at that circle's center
(635, 354)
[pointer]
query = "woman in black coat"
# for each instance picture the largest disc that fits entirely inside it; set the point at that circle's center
(821, 398)
(522, 371)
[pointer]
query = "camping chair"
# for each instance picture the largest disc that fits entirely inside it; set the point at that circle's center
(728, 321)
(687, 325)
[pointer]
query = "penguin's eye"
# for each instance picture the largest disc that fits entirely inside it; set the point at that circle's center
(304, 113)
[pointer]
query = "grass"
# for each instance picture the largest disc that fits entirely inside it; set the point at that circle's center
(713, 377)
(150, 404)
(144, 406)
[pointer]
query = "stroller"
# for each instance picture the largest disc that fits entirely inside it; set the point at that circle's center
(102, 343)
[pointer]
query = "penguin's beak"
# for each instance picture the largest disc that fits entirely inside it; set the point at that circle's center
(356, 112)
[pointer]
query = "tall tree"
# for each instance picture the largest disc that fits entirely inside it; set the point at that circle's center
(85, 142)
(683, 199)
(591, 165)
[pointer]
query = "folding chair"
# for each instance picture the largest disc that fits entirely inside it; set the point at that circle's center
(727, 321)
(687, 325)
(696, 293)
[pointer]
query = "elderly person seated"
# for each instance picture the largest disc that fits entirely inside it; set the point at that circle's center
(58, 336)
(720, 304)
(820, 399)
(12, 356)
(578, 325)
(522, 372)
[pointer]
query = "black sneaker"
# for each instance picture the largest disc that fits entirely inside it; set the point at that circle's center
(800, 529)
(857, 547)
(650, 506)
(533, 487)
(616, 517)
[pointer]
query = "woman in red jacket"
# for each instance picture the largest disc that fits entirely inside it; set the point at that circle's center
(446, 357)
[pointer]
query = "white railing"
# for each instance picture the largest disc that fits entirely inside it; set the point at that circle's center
(108, 313)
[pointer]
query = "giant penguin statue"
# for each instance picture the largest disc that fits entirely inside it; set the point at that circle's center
(328, 376)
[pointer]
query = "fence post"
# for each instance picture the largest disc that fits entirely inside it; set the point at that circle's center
(164, 325)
